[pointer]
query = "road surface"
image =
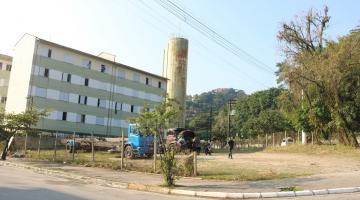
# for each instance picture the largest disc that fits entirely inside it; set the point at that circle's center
(25, 184)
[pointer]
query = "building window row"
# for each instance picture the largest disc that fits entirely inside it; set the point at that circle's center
(86, 63)
(92, 83)
(86, 119)
(84, 100)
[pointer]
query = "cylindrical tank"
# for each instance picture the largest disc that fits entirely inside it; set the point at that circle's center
(175, 69)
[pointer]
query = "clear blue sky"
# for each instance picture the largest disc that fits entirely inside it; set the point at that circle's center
(137, 32)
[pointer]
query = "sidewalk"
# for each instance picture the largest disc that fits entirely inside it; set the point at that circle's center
(138, 179)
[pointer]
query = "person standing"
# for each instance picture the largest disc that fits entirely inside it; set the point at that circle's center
(231, 144)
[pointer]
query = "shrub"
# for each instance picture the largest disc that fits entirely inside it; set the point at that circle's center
(168, 167)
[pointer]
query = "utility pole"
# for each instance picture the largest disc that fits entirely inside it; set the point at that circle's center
(231, 101)
(210, 121)
(229, 110)
(303, 134)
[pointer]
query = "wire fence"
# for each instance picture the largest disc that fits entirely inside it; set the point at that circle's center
(105, 152)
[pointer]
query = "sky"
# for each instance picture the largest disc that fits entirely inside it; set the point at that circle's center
(137, 31)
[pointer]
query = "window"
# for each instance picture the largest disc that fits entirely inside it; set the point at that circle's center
(68, 78)
(64, 96)
(121, 74)
(103, 68)
(68, 58)
(132, 108)
(116, 107)
(46, 72)
(82, 120)
(136, 77)
(147, 81)
(159, 84)
(82, 100)
(49, 53)
(101, 103)
(3, 99)
(86, 83)
(64, 115)
(8, 67)
(88, 65)
(39, 92)
(99, 121)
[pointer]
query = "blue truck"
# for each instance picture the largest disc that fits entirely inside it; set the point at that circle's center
(138, 144)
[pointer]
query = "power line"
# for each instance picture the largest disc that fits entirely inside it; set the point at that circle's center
(212, 34)
(165, 21)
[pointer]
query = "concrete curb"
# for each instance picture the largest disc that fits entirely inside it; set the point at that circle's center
(163, 190)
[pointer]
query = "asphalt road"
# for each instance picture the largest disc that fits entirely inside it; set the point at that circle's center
(24, 184)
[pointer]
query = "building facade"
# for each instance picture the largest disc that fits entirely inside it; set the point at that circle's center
(83, 93)
(5, 68)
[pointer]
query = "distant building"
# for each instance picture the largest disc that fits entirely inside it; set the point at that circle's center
(82, 92)
(5, 68)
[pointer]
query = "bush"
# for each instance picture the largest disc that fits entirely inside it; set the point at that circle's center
(186, 166)
(168, 167)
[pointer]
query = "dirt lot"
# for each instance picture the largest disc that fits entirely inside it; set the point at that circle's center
(246, 166)
(260, 166)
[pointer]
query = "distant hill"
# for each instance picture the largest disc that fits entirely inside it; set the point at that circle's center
(216, 98)
(199, 106)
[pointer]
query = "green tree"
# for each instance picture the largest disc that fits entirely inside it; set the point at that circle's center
(155, 121)
(259, 113)
(12, 124)
(323, 71)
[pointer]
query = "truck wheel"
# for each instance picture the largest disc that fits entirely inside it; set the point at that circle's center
(128, 152)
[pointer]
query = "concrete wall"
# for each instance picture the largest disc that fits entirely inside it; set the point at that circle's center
(20, 75)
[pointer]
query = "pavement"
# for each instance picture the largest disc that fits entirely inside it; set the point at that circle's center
(311, 185)
(25, 184)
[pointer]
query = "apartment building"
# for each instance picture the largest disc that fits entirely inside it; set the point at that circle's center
(5, 68)
(82, 92)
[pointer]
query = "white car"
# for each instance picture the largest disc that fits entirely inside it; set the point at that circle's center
(287, 141)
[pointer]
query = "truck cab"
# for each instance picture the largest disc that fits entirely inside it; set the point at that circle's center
(138, 144)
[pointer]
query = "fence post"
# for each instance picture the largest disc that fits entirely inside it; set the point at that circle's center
(312, 137)
(195, 163)
(55, 146)
(26, 137)
(73, 147)
(266, 140)
(249, 144)
(155, 150)
(298, 137)
(122, 150)
(39, 144)
(92, 146)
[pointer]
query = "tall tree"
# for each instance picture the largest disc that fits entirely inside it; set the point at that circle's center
(321, 70)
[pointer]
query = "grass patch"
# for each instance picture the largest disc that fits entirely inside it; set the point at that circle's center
(102, 160)
(291, 188)
(315, 149)
(246, 174)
